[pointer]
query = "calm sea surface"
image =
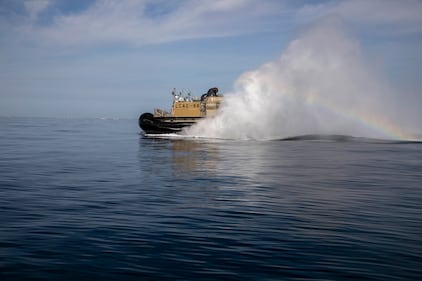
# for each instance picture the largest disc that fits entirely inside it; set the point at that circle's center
(95, 200)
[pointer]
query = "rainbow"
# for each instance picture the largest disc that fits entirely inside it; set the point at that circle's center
(377, 123)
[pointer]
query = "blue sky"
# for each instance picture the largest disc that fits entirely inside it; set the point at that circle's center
(82, 58)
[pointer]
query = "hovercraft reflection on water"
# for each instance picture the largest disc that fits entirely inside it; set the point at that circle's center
(185, 112)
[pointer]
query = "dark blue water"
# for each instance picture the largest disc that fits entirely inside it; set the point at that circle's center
(94, 200)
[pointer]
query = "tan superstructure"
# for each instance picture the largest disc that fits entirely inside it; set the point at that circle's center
(187, 106)
(186, 109)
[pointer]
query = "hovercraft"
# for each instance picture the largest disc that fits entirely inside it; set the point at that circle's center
(185, 111)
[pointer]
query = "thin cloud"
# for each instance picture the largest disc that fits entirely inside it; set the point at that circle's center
(143, 22)
(34, 8)
(382, 16)
(134, 22)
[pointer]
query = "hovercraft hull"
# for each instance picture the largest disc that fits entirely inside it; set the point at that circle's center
(165, 125)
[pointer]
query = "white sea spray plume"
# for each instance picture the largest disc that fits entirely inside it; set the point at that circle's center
(321, 84)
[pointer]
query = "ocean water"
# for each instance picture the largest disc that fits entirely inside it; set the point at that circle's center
(94, 199)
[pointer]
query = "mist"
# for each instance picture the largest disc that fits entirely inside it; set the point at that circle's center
(321, 84)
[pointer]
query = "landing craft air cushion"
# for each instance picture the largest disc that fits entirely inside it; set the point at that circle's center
(185, 112)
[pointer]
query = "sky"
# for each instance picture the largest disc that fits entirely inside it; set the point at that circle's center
(117, 59)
